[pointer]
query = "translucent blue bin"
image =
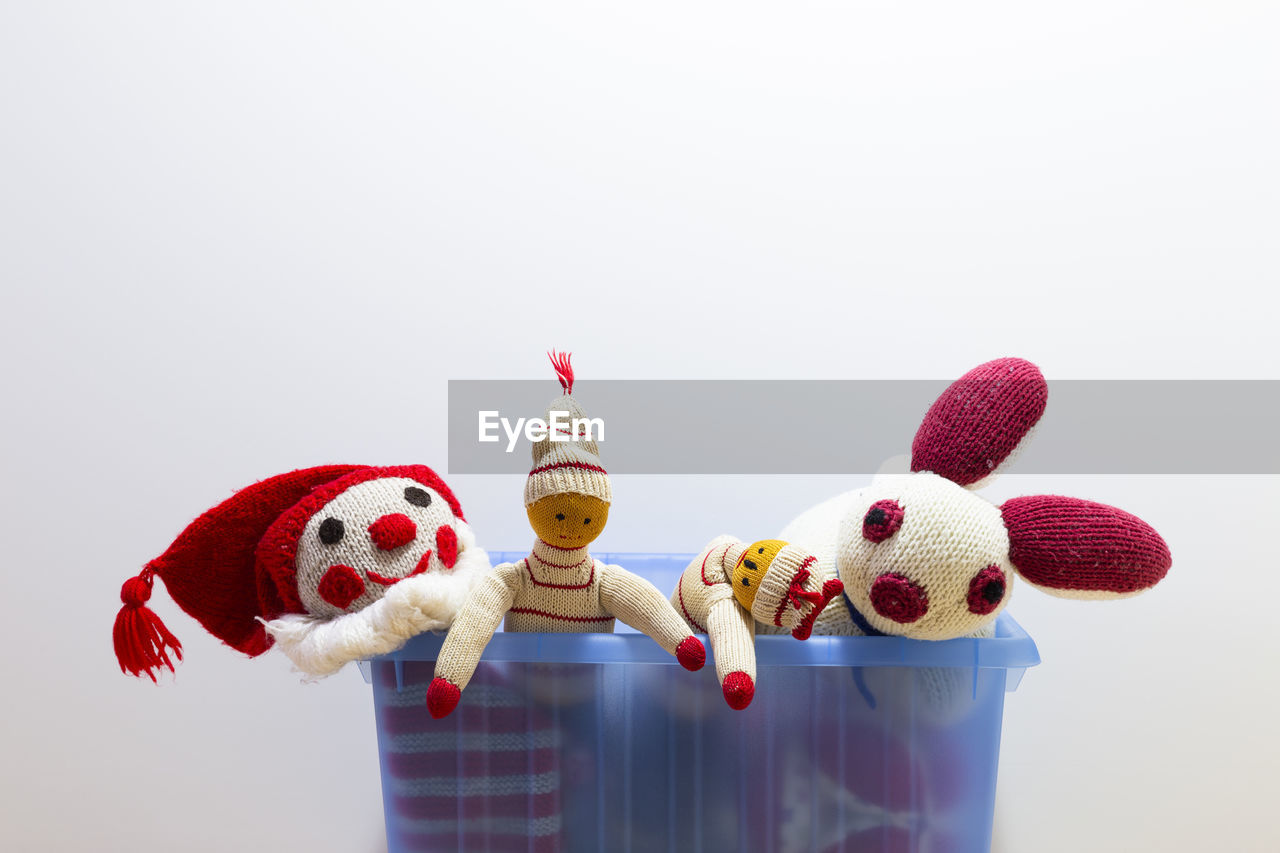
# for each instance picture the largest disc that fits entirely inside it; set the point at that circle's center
(602, 742)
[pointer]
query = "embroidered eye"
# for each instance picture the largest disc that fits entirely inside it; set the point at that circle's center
(559, 516)
(417, 496)
(882, 520)
(746, 582)
(586, 521)
(750, 564)
(986, 590)
(331, 531)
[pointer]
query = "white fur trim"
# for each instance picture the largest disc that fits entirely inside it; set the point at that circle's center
(426, 602)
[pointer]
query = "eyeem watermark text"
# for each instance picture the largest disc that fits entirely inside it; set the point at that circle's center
(560, 428)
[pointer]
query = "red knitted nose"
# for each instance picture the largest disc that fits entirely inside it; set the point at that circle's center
(895, 597)
(392, 531)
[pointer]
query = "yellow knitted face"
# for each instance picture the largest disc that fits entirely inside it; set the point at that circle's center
(568, 520)
(751, 567)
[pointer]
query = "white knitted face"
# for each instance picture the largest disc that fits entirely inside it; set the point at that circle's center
(923, 557)
(370, 536)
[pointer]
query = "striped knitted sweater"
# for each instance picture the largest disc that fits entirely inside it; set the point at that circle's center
(555, 590)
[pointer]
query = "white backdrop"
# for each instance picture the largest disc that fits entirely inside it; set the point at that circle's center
(238, 238)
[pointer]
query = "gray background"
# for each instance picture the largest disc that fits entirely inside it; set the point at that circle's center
(238, 238)
(851, 427)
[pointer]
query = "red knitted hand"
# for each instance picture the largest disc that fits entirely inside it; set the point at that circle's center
(691, 653)
(739, 690)
(442, 698)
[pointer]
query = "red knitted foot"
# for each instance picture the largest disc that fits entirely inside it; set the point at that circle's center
(691, 654)
(739, 690)
(442, 698)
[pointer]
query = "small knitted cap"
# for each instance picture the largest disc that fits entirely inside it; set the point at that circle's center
(569, 463)
(771, 605)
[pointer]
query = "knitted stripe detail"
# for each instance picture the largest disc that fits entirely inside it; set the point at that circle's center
(534, 612)
(590, 580)
(453, 741)
(782, 605)
(560, 565)
(464, 786)
(684, 609)
(517, 826)
(582, 466)
(704, 564)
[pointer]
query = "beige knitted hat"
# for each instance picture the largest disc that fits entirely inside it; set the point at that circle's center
(792, 593)
(570, 463)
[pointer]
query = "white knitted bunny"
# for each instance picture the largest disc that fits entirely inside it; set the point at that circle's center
(922, 556)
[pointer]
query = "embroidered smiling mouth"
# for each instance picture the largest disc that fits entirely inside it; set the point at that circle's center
(422, 566)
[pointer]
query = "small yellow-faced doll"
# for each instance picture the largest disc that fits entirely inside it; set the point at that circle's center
(559, 587)
(731, 587)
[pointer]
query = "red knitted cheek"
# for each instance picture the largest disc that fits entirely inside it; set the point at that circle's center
(447, 545)
(896, 597)
(340, 586)
(986, 590)
(392, 531)
(882, 520)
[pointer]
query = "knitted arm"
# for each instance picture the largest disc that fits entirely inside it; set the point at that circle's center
(638, 603)
(472, 629)
(731, 630)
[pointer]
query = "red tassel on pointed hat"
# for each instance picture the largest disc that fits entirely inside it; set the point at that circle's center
(142, 641)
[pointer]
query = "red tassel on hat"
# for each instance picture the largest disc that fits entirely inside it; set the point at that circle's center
(141, 639)
(564, 370)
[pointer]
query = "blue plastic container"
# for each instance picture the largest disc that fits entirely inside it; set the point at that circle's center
(601, 742)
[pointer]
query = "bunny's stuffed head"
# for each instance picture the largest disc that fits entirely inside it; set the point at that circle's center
(921, 555)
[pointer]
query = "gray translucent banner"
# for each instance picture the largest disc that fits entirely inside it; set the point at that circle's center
(853, 426)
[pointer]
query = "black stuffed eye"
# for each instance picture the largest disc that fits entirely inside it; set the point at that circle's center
(331, 531)
(417, 496)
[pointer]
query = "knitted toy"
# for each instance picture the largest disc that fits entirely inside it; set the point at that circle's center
(731, 586)
(559, 587)
(332, 564)
(922, 556)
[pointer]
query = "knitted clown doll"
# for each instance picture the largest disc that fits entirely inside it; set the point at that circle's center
(331, 564)
(921, 555)
(559, 587)
(731, 586)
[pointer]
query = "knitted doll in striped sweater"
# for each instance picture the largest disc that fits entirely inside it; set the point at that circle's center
(731, 586)
(559, 587)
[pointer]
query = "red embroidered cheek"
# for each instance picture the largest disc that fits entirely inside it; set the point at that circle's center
(896, 597)
(986, 590)
(392, 531)
(447, 545)
(340, 586)
(882, 520)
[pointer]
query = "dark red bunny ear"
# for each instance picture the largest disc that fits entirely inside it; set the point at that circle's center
(1075, 548)
(979, 420)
